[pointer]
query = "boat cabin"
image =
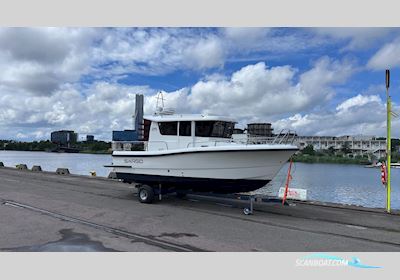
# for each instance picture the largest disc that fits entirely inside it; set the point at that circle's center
(166, 132)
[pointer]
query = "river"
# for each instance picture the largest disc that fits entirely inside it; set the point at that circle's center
(340, 183)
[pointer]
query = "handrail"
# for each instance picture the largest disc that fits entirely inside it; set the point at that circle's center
(284, 137)
(212, 142)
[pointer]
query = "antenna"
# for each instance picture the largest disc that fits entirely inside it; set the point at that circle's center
(160, 101)
(160, 108)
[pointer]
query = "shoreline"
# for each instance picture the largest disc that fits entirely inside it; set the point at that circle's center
(330, 159)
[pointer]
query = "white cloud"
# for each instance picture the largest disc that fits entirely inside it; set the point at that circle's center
(34, 44)
(386, 57)
(52, 78)
(97, 110)
(255, 44)
(253, 92)
(39, 60)
(245, 37)
(327, 71)
(357, 115)
(254, 86)
(357, 101)
(207, 53)
(159, 51)
(261, 92)
(162, 50)
(357, 37)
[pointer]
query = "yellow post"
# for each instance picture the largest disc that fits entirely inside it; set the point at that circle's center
(388, 141)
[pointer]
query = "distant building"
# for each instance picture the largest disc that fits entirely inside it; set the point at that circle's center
(359, 144)
(89, 138)
(64, 137)
(238, 131)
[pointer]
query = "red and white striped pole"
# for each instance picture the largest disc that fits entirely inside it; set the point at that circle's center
(289, 177)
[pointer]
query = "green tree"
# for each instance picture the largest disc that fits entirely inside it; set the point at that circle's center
(309, 150)
(346, 148)
(331, 151)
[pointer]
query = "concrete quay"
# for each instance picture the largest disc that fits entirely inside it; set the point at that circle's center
(44, 211)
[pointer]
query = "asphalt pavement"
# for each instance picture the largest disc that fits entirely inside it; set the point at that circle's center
(42, 211)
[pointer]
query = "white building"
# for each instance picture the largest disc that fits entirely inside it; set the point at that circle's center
(359, 145)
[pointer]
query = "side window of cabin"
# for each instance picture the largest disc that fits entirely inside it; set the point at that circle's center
(185, 128)
(204, 128)
(228, 129)
(218, 129)
(168, 128)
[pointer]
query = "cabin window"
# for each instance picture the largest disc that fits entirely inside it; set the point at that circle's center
(185, 128)
(168, 128)
(203, 129)
(217, 129)
(228, 130)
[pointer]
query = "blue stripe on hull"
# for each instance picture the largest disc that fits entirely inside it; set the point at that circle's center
(194, 184)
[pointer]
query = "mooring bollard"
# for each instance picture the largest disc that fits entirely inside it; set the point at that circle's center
(36, 168)
(112, 175)
(93, 173)
(21, 166)
(1, 164)
(62, 171)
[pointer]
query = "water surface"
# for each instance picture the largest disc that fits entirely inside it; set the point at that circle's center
(340, 183)
(76, 163)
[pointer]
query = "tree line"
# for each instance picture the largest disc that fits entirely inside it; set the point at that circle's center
(48, 146)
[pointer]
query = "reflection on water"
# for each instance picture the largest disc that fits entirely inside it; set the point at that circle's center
(340, 183)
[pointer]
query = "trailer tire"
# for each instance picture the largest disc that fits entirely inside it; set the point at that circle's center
(247, 211)
(145, 194)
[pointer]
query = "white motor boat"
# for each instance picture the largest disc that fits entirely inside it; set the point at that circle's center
(197, 152)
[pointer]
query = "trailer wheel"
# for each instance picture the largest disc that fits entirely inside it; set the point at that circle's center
(146, 194)
(247, 211)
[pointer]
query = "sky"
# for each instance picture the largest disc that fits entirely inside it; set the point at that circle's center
(316, 81)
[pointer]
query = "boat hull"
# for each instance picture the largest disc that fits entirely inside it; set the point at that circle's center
(224, 171)
(194, 184)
